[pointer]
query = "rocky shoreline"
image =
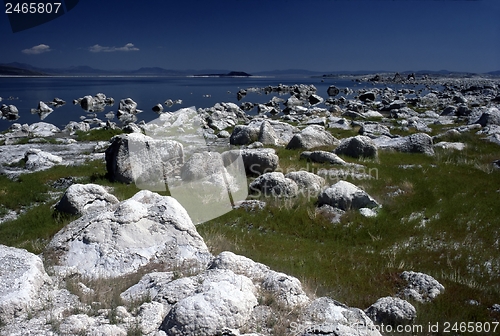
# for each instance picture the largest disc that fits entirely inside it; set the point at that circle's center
(183, 288)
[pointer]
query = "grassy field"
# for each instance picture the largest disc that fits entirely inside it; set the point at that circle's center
(440, 216)
(31, 195)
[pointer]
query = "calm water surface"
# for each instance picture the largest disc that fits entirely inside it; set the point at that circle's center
(146, 91)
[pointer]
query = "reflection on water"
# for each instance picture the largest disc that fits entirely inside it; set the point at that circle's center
(146, 92)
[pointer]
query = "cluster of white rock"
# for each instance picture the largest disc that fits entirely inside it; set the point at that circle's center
(189, 291)
(225, 294)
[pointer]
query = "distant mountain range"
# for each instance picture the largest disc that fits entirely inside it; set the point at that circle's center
(22, 69)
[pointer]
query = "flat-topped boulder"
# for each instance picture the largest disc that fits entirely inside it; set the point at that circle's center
(415, 143)
(322, 157)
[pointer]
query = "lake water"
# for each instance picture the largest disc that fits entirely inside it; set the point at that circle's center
(146, 91)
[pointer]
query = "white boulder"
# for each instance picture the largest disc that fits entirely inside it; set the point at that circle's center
(143, 229)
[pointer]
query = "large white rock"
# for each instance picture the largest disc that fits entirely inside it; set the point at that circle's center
(37, 159)
(490, 117)
(286, 289)
(223, 300)
(241, 265)
(420, 286)
(391, 310)
(137, 158)
(322, 157)
(84, 198)
(274, 184)
(325, 316)
(311, 137)
(358, 146)
(345, 195)
(415, 143)
(43, 129)
(128, 106)
(309, 183)
(143, 229)
(21, 278)
(459, 146)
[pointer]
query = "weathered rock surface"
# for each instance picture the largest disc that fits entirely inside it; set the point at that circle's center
(243, 135)
(201, 165)
(44, 108)
(22, 278)
(325, 316)
(73, 126)
(311, 137)
(37, 159)
(241, 265)
(43, 129)
(345, 196)
(368, 96)
(392, 311)
(250, 205)
(490, 117)
(9, 112)
(284, 288)
(224, 115)
(420, 287)
(274, 184)
(269, 132)
(450, 145)
(80, 199)
(322, 157)
(358, 146)
(309, 183)
(258, 161)
(374, 130)
(141, 159)
(143, 229)
(94, 104)
(415, 143)
(128, 106)
(71, 154)
(223, 300)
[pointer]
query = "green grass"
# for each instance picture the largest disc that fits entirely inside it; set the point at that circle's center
(34, 228)
(358, 260)
(97, 134)
(444, 222)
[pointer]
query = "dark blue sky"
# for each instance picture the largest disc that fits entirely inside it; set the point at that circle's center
(254, 35)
